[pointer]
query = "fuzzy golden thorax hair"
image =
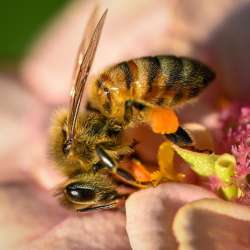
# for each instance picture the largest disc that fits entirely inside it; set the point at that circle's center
(91, 129)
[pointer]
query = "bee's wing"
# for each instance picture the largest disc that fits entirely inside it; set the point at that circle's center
(82, 68)
(85, 41)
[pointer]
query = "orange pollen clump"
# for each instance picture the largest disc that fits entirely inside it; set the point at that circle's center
(163, 120)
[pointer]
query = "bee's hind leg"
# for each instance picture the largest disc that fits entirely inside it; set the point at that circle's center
(183, 139)
(180, 137)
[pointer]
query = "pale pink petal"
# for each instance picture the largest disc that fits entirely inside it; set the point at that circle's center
(23, 123)
(150, 214)
(16, 105)
(219, 34)
(93, 231)
(132, 29)
(212, 224)
(27, 212)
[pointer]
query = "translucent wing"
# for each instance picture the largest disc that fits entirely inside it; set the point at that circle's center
(85, 41)
(82, 68)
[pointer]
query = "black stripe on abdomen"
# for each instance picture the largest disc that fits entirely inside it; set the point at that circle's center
(174, 73)
(127, 73)
(171, 67)
(154, 69)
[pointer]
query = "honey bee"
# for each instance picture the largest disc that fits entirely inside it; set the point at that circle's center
(87, 146)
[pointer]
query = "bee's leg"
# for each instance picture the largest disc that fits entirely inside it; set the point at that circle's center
(180, 137)
(105, 158)
(129, 105)
(127, 178)
(119, 173)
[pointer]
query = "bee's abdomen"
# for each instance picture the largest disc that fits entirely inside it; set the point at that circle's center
(184, 79)
(165, 80)
(171, 80)
(159, 80)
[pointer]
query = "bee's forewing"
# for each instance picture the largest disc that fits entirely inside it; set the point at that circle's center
(85, 41)
(83, 65)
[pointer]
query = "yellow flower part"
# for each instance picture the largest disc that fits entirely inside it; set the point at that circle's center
(208, 165)
(166, 170)
(201, 163)
(225, 170)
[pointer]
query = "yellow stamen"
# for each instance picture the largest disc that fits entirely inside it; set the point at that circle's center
(166, 165)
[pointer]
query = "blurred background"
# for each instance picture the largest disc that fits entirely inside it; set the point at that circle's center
(38, 43)
(21, 23)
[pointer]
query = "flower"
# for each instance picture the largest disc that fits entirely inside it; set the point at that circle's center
(236, 126)
(152, 213)
(226, 173)
(219, 169)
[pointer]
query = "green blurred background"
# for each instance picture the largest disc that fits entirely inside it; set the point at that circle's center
(20, 22)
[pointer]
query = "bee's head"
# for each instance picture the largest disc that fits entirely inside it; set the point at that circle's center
(62, 151)
(90, 191)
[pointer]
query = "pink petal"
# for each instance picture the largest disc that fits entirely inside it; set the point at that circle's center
(216, 33)
(150, 214)
(48, 67)
(212, 224)
(27, 212)
(93, 231)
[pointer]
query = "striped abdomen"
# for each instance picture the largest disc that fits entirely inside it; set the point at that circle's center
(159, 80)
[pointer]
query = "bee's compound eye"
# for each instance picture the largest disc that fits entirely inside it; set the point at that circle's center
(79, 193)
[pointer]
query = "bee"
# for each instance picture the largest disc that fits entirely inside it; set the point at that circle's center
(87, 146)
